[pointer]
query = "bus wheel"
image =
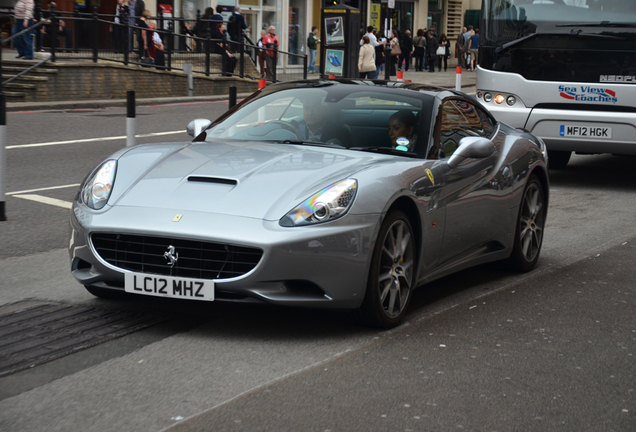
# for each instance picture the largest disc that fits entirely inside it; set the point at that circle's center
(558, 159)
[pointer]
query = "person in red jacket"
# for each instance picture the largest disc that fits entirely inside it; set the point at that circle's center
(270, 41)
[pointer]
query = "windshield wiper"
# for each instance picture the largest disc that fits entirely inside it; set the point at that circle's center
(516, 42)
(601, 24)
(385, 150)
(510, 44)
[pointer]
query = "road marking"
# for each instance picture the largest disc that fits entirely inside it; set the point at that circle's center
(42, 189)
(115, 138)
(46, 200)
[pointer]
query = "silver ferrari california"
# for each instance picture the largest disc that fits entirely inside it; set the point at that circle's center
(341, 194)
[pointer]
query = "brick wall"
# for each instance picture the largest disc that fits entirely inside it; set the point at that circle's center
(80, 81)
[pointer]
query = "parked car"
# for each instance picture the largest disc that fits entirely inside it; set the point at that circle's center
(343, 194)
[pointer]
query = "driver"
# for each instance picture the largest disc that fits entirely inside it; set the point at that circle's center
(401, 130)
(319, 126)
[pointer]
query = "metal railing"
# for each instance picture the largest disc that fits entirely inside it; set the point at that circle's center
(91, 40)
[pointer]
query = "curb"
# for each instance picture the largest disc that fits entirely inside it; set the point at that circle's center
(121, 103)
(112, 103)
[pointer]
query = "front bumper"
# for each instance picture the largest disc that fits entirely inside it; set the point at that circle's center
(323, 265)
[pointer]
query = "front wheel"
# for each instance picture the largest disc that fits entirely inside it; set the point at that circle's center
(392, 274)
(530, 225)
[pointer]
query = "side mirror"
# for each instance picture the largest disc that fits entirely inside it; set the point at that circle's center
(471, 148)
(196, 126)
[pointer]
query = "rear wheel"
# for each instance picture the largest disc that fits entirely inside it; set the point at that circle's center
(530, 225)
(109, 294)
(558, 159)
(392, 274)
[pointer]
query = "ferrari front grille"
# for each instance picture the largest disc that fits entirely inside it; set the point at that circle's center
(175, 257)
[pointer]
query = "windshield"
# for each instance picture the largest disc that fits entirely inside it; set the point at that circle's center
(586, 41)
(510, 20)
(332, 115)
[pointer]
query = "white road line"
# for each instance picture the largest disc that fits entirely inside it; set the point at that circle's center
(123, 137)
(42, 189)
(46, 200)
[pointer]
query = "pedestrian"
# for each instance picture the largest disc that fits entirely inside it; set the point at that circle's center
(216, 19)
(432, 30)
(117, 28)
(444, 50)
(407, 49)
(236, 24)
(54, 33)
(132, 22)
(160, 62)
(143, 34)
(420, 49)
(431, 51)
(312, 44)
(396, 52)
(424, 64)
(379, 54)
(261, 59)
(270, 41)
(221, 48)
(366, 59)
(372, 37)
(202, 28)
(473, 49)
(140, 7)
(293, 44)
(460, 50)
(467, 34)
(23, 11)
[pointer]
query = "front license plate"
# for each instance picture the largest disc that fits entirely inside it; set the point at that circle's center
(586, 131)
(168, 286)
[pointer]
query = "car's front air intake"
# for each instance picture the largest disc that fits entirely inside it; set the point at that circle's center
(189, 258)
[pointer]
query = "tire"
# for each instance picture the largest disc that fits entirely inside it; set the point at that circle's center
(530, 226)
(105, 293)
(391, 275)
(558, 159)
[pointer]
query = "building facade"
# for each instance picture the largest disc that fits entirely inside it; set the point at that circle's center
(293, 19)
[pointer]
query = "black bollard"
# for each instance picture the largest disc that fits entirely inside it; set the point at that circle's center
(131, 121)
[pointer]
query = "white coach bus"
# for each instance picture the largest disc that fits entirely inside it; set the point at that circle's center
(564, 70)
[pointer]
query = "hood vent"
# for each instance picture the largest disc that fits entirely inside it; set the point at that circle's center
(217, 180)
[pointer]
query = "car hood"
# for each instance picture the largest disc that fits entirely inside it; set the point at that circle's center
(257, 180)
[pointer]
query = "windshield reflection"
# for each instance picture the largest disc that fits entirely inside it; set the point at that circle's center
(334, 116)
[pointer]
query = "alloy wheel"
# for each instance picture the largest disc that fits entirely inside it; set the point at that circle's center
(395, 277)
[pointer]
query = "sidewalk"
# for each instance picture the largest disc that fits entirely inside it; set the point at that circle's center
(445, 79)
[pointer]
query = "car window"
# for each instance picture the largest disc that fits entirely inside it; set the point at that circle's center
(459, 118)
(356, 120)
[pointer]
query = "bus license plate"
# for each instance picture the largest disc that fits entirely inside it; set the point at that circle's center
(169, 286)
(586, 132)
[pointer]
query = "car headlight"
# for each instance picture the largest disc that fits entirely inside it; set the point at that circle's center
(97, 188)
(330, 203)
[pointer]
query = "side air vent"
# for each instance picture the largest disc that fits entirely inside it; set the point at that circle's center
(217, 180)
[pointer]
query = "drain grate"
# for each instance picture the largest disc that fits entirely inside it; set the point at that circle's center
(34, 332)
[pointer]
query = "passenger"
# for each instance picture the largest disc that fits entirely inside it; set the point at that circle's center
(402, 130)
(317, 125)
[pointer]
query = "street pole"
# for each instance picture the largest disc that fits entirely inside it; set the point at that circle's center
(3, 126)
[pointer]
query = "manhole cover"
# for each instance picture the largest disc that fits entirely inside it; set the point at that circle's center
(34, 332)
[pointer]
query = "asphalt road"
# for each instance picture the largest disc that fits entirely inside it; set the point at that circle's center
(485, 349)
